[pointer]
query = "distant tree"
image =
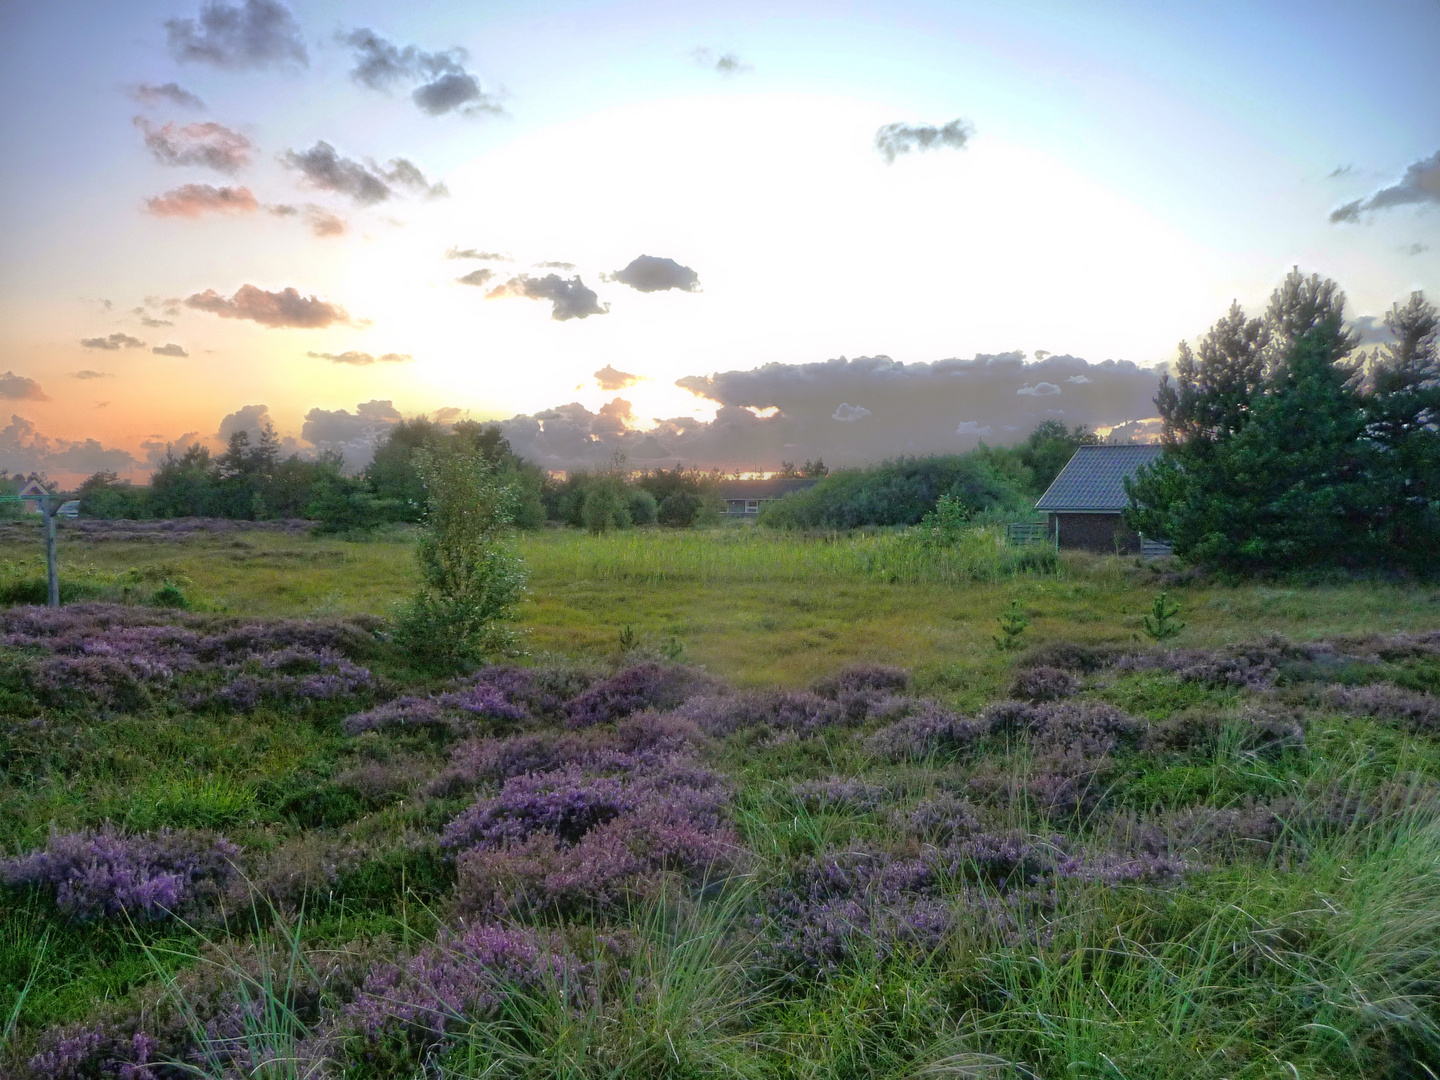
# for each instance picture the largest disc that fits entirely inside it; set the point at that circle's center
(815, 468)
(1049, 448)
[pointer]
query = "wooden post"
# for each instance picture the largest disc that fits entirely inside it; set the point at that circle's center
(49, 507)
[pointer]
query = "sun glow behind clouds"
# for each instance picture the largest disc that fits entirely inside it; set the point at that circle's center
(807, 245)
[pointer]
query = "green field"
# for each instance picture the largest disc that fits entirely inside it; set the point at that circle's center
(1228, 858)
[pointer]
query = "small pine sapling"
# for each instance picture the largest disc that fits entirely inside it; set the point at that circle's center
(628, 639)
(1013, 622)
(1161, 623)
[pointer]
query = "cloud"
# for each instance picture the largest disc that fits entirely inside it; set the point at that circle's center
(477, 277)
(170, 349)
(211, 145)
(367, 183)
(550, 264)
(86, 373)
(1078, 380)
(1040, 389)
(448, 415)
(1372, 330)
(914, 409)
(362, 359)
(1340, 171)
(445, 84)
(849, 413)
(650, 273)
(274, 309)
(113, 342)
(570, 298)
(893, 140)
(19, 388)
(321, 221)
(24, 449)
(1415, 249)
(1419, 185)
(197, 200)
(725, 63)
(251, 419)
(147, 320)
(167, 94)
(352, 434)
(255, 34)
(972, 427)
(471, 253)
(610, 379)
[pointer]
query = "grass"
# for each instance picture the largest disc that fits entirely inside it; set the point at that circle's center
(1318, 958)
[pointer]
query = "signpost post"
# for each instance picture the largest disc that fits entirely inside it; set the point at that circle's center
(49, 503)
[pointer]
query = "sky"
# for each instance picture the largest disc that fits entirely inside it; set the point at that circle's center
(729, 236)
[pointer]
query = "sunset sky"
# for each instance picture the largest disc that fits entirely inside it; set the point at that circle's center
(553, 212)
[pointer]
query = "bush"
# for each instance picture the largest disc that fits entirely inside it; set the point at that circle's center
(472, 578)
(898, 493)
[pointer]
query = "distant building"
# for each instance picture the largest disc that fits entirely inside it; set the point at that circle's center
(744, 498)
(1086, 500)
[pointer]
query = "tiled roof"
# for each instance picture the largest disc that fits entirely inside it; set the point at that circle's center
(1093, 478)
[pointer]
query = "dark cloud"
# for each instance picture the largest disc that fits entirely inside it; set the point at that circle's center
(1372, 330)
(570, 297)
(197, 200)
(147, 320)
(1420, 185)
(942, 407)
(353, 434)
(471, 253)
(445, 84)
(725, 63)
(611, 379)
(1416, 249)
(170, 349)
(1340, 171)
(168, 94)
(477, 277)
(551, 264)
(113, 342)
(274, 309)
(19, 388)
(366, 183)
(362, 359)
(448, 415)
(257, 33)
(251, 419)
(893, 140)
(24, 449)
(650, 273)
(211, 145)
(88, 374)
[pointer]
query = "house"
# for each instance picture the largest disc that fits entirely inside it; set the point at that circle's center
(1085, 501)
(744, 498)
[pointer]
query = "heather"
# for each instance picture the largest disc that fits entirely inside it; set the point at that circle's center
(245, 845)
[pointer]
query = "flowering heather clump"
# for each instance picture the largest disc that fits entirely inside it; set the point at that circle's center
(477, 761)
(665, 732)
(1198, 731)
(942, 820)
(406, 711)
(1087, 728)
(94, 875)
(565, 803)
(644, 686)
(99, 680)
(1044, 684)
(462, 979)
(1386, 701)
(862, 679)
(1253, 667)
(543, 692)
(839, 793)
(1070, 656)
(931, 731)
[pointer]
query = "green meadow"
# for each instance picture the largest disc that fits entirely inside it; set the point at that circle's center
(1219, 857)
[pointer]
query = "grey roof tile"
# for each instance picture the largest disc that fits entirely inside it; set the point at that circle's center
(1093, 478)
